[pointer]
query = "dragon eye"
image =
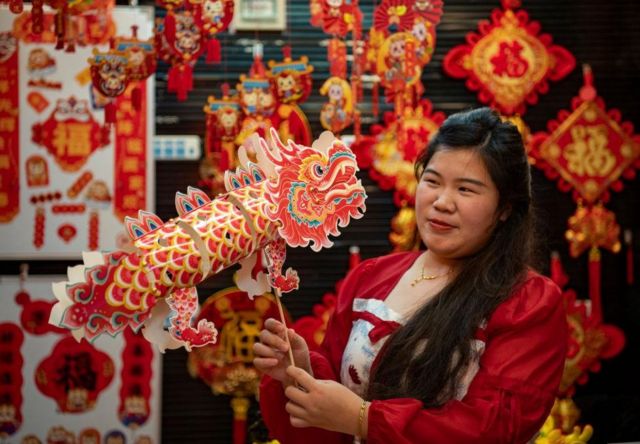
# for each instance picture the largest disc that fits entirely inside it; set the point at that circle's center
(318, 170)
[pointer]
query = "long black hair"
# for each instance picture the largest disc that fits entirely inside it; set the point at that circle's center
(432, 351)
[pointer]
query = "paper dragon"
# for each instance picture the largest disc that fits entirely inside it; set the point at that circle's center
(293, 195)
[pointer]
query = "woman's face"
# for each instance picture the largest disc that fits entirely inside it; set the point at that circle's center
(456, 204)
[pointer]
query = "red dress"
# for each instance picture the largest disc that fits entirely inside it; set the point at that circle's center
(506, 402)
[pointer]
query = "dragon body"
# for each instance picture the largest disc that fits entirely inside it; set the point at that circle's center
(293, 195)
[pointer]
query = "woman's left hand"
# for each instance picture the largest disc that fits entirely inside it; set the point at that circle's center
(321, 403)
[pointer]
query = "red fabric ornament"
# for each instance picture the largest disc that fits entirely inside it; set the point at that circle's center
(141, 61)
(509, 62)
(215, 16)
(339, 17)
(110, 76)
(588, 149)
(11, 361)
(179, 42)
(74, 375)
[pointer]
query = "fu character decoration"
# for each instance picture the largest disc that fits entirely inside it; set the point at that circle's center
(295, 195)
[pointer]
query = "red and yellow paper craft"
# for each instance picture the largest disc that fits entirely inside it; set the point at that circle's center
(295, 194)
(508, 61)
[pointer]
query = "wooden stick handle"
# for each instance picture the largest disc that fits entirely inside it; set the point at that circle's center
(286, 329)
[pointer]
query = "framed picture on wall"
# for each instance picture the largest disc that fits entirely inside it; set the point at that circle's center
(260, 15)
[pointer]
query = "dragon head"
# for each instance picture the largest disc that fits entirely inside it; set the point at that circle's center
(313, 190)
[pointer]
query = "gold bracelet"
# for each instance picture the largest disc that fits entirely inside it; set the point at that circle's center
(363, 408)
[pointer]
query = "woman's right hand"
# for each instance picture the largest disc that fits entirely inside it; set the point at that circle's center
(271, 353)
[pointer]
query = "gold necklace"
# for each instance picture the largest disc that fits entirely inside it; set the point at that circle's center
(423, 277)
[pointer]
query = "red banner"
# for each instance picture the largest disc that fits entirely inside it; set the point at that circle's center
(130, 154)
(9, 129)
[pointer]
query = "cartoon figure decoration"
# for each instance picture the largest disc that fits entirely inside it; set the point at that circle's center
(227, 366)
(291, 80)
(224, 116)
(60, 435)
(11, 340)
(70, 134)
(589, 150)
(40, 65)
(37, 171)
(179, 42)
(216, 16)
(295, 195)
(74, 375)
(509, 62)
(337, 114)
(110, 77)
(257, 100)
(89, 436)
(335, 17)
(141, 61)
(401, 42)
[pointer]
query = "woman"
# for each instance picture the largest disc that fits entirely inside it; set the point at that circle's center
(461, 343)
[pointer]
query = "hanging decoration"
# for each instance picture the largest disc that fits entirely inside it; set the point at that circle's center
(179, 40)
(141, 63)
(291, 80)
(508, 61)
(266, 204)
(11, 340)
(257, 100)
(401, 42)
(134, 408)
(130, 178)
(74, 375)
(560, 426)
(589, 150)
(390, 153)
(110, 77)
(70, 134)
(222, 128)
(34, 318)
(216, 15)
(9, 129)
(227, 366)
(337, 114)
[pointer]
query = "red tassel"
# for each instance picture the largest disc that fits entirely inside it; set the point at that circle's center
(375, 100)
(213, 51)
(240, 407)
(172, 80)
(628, 241)
(354, 257)
(110, 112)
(557, 272)
(136, 98)
(594, 285)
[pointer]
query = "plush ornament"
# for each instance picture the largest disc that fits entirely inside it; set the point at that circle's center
(291, 80)
(224, 116)
(258, 102)
(179, 42)
(73, 375)
(70, 134)
(509, 62)
(337, 114)
(110, 77)
(141, 61)
(215, 16)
